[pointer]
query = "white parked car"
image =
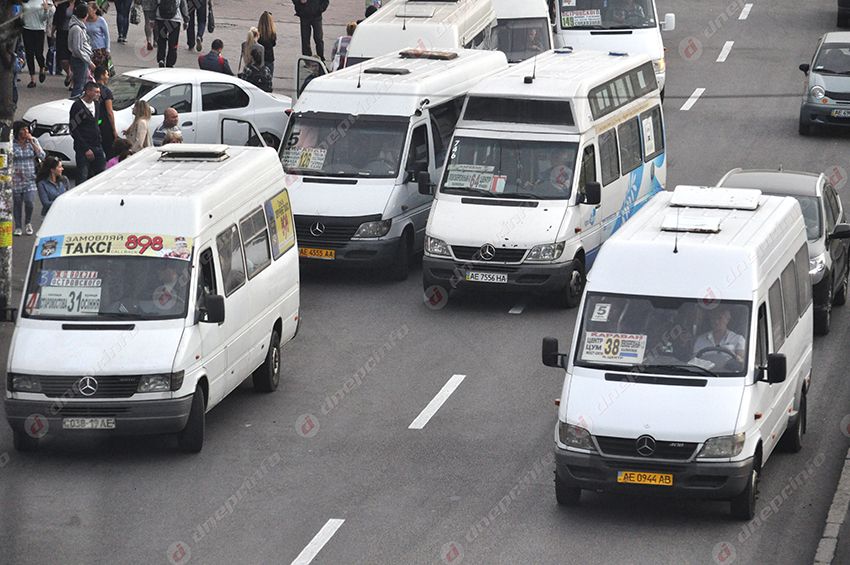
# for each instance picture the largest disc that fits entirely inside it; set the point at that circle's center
(201, 97)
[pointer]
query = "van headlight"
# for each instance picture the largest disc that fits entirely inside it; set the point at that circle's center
(659, 65)
(370, 230)
(817, 92)
(575, 436)
(723, 447)
(438, 247)
(60, 129)
(165, 382)
(23, 383)
(546, 252)
(817, 265)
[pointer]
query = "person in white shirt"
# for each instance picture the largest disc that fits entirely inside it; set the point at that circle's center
(721, 336)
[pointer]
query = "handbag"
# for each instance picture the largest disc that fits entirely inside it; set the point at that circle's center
(210, 17)
(136, 14)
(110, 67)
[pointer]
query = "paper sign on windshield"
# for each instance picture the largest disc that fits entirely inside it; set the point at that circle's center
(607, 347)
(312, 158)
(120, 244)
(64, 301)
(577, 18)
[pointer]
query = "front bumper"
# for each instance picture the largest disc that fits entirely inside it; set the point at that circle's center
(821, 114)
(539, 278)
(355, 252)
(131, 417)
(702, 480)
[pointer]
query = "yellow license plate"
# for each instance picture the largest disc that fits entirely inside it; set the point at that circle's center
(637, 478)
(311, 253)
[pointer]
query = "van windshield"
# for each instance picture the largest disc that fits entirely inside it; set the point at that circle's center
(109, 277)
(521, 39)
(664, 335)
(607, 14)
(510, 168)
(344, 145)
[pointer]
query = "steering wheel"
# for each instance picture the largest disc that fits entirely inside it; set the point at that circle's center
(716, 349)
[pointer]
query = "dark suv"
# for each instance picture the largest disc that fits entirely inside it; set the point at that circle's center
(825, 229)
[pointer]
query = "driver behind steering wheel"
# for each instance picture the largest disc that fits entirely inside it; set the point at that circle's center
(720, 336)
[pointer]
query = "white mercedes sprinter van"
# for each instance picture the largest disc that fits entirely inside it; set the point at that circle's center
(629, 26)
(550, 157)
(155, 289)
(692, 352)
(359, 143)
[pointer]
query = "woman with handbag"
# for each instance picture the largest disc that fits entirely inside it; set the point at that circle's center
(27, 155)
(149, 10)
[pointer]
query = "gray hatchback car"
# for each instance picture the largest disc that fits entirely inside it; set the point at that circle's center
(826, 101)
(829, 262)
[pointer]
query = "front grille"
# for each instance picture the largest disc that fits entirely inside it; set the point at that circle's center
(336, 230)
(107, 387)
(626, 447)
(502, 255)
(91, 411)
(838, 95)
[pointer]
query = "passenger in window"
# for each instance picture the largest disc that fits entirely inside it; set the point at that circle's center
(169, 295)
(557, 180)
(720, 337)
(629, 12)
(169, 124)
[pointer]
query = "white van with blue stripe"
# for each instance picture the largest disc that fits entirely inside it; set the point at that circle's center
(549, 158)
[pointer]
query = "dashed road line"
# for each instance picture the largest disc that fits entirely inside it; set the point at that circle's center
(517, 310)
(692, 100)
(318, 542)
(436, 402)
(724, 53)
(745, 12)
(835, 518)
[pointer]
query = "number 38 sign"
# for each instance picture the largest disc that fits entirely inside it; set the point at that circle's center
(608, 346)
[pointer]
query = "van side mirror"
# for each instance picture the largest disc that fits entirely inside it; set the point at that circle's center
(423, 179)
(777, 368)
(805, 67)
(841, 231)
(551, 356)
(592, 194)
(213, 309)
(669, 23)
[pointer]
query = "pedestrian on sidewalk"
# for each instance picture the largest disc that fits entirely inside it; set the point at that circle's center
(98, 32)
(197, 16)
(122, 18)
(248, 46)
(27, 154)
(80, 48)
(310, 13)
(339, 53)
(214, 61)
(257, 73)
(139, 132)
(51, 182)
(108, 133)
(268, 39)
(149, 10)
(171, 15)
(83, 121)
(34, 15)
(61, 24)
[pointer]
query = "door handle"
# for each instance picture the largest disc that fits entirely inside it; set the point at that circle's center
(187, 124)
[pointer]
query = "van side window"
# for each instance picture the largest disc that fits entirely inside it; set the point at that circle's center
(777, 323)
(255, 238)
(630, 155)
(761, 339)
(789, 297)
(609, 156)
(231, 260)
(444, 118)
(418, 160)
(653, 134)
(206, 276)
(804, 284)
(830, 215)
(588, 168)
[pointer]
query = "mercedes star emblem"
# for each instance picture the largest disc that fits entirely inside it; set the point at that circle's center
(487, 252)
(645, 445)
(317, 229)
(87, 386)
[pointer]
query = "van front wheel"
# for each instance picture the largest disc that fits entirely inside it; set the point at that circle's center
(743, 506)
(191, 439)
(792, 440)
(566, 495)
(401, 264)
(570, 297)
(267, 376)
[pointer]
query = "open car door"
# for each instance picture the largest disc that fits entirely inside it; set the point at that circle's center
(306, 69)
(240, 132)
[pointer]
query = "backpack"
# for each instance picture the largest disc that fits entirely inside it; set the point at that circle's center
(167, 9)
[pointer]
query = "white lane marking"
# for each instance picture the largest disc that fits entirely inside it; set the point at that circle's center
(745, 12)
(692, 100)
(835, 518)
(318, 542)
(725, 51)
(436, 402)
(518, 308)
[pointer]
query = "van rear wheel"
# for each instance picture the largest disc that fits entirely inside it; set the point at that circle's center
(191, 439)
(564, 494)
(267, 376)
(824, 317)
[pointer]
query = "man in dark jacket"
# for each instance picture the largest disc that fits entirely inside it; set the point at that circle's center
(310, 13)
(214, 60)
(83, 123)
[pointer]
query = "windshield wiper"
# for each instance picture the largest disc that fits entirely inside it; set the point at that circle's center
(523, 195)
(475, 191)
(307, 172)
(676, 367)
(120, 316)
(596, 26)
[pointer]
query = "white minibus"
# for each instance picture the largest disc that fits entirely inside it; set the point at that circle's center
(359, 143)
(155, 289)
(523, 29)
(692, 352)
(628, 26)
(550, 157)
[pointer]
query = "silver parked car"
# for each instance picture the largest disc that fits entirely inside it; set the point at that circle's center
(826, 101)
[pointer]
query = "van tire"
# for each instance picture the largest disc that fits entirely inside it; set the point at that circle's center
(792, 440)
(743, 506)
(824, 317)
(566, 495)
(570, 296)
(267, 376)
(23, 441)
(400, 268)
(191, 438)
(841, 295)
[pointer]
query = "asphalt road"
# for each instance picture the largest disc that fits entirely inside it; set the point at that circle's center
(474, 485)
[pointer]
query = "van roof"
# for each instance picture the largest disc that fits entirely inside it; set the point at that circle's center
(791, 183)
(421, 24)
(170, 196)
(725, 252)
(518, 9)
(382, 91)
